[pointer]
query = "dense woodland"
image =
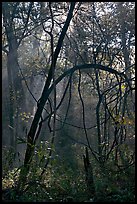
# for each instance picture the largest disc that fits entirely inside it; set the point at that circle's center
(68, 101)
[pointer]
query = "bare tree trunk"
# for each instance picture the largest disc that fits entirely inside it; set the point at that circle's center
(15, 86)
(41, 103)
(89, 175)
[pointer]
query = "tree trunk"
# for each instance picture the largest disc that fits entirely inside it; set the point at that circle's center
(89, 175)
(15, 86)
(41, 103)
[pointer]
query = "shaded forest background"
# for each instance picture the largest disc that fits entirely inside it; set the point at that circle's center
(68, 101)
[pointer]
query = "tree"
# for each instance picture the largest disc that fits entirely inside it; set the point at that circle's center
(31, 135)
(18, 22)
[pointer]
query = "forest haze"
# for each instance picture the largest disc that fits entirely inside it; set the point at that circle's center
(68, 101)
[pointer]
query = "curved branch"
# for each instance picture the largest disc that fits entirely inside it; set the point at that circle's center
(88, 68)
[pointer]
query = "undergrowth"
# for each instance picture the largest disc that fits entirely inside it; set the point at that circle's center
(61, 183)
